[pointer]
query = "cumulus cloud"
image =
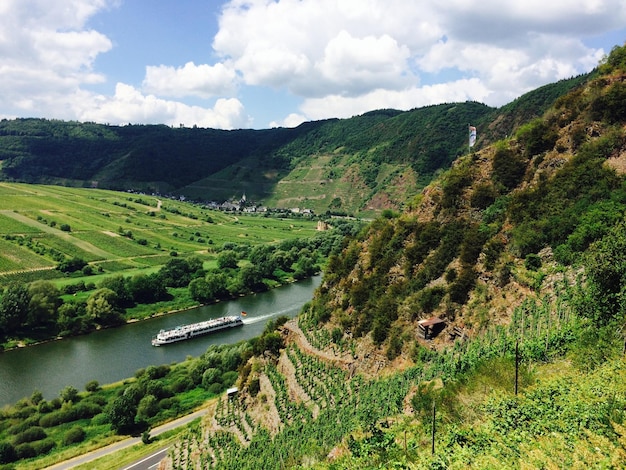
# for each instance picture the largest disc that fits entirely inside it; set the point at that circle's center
(341, 57)
(337, 58)
(130, 105)
(46, 54)
(202, 80)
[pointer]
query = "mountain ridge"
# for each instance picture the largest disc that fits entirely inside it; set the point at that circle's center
(207, 164)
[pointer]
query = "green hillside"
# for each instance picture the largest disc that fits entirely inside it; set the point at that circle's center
(518, 252)
(361, 165)
(513, 255)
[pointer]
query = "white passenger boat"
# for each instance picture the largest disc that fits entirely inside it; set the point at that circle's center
(181, 333)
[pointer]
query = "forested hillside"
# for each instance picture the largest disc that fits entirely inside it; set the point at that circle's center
(359, 165)
(519, 253)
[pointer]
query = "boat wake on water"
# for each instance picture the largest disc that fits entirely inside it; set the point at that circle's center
(250, 321)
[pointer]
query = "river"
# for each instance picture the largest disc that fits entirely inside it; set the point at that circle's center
(116, 354)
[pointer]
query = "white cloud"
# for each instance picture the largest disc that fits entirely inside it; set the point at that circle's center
(46, 55)
(203, 80)
(345, 57)
(344, 107)
(338, 57)
(130, 105)
(293, 120)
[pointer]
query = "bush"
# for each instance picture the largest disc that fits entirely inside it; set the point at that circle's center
(211, 376)
(7, 453)
(148, 407)
(44, 446)
(169, 403)
(72, 413)
(532, 262)
(25, 451)
(69, 393)
(216, 388)
(74, 436)
(92, 386)
(34, 433)
(507, 168)
(182, 384)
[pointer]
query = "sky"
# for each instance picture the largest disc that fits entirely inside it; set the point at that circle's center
(270, 63)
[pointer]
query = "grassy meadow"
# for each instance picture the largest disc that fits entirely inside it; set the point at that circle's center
(117, 232)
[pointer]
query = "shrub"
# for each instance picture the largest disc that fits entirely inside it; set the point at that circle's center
(34, 433)
(532, 262)
(25, 451)
(254, 387)
(70, 413)
(169, 403)
(92, 386)
(216, 388)
(69, 393)
(7, 453)
(74, 435)
(211, 376)
(44, 446)
(182, 384)
(148, 407)
(508, 169)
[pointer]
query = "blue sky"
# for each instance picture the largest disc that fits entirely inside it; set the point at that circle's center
(265, 63)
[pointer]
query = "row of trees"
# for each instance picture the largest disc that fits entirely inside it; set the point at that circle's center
(38, 309)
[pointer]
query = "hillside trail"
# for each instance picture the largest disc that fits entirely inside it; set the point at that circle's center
(295, 334)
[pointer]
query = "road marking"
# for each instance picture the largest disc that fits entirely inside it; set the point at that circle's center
(147, 458)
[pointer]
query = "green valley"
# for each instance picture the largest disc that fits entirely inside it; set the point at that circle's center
(476, 322)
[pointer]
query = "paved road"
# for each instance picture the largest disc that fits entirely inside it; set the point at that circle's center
(139, 465)
(150, 462)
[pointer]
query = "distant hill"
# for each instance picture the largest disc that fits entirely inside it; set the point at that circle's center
(361, 165)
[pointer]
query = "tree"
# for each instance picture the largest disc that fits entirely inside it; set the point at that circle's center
(103, 308)
(14, 308)
(71, 265)
(176, 273)
(121, 414)
(147, 288)
(251, 278)
(69, 394)
(148, 407)
(44, 302)
(227, 260)
(304, 267)
(72, 318)
(606, 271)
(119, 285)
(199, 290)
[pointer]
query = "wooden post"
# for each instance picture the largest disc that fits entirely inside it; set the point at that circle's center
(433, 430)
(516, 364)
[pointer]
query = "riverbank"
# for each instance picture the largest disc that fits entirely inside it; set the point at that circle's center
(155, 311)
(114, 354)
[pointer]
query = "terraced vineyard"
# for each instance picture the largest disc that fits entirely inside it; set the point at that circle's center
(117, 232)
(314, 406)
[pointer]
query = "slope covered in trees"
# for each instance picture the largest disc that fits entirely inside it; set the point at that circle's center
(372, 153)
(519, 249)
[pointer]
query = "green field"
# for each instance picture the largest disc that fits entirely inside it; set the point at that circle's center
(117, 231)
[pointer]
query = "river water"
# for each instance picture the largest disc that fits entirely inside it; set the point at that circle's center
(115, 354)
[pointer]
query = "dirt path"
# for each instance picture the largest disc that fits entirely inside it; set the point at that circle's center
(296, 335)
(88, 247)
